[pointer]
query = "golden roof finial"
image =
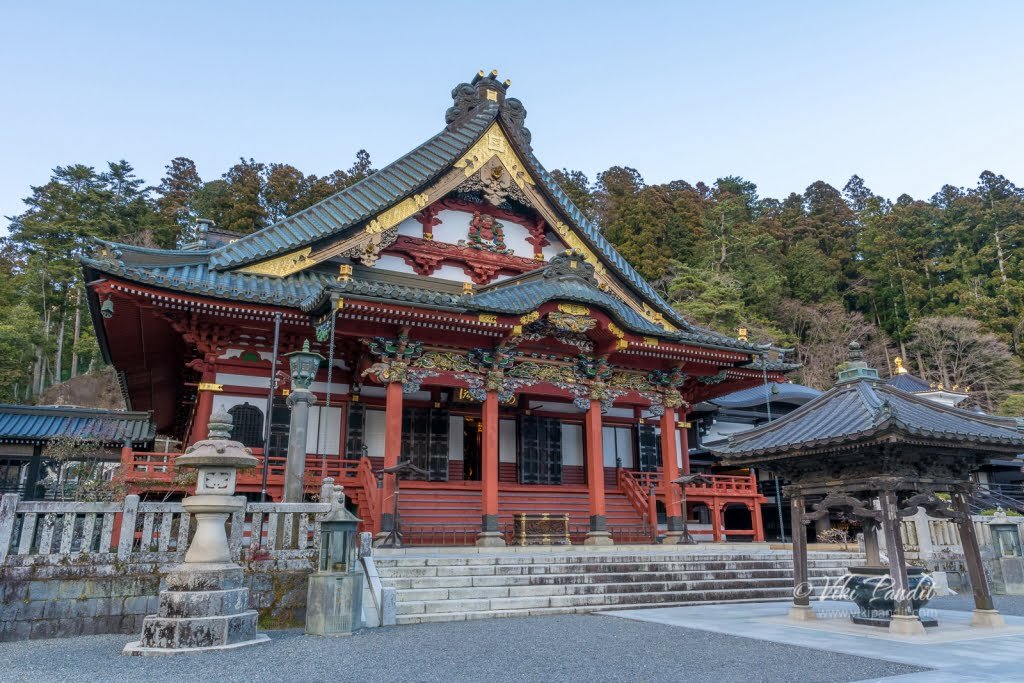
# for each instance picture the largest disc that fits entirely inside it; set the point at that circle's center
(898, 362)
(742, 334)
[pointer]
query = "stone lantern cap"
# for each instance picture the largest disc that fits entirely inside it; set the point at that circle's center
(217, 450)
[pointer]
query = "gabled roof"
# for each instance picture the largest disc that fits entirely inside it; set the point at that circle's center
(864, 411)
(478, 106)
(39, 424)
(469, 119)
(362, 201)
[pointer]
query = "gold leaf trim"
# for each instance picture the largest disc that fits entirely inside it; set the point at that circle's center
(282, 265)
(396, 214)
(574, 309)
(493, 143)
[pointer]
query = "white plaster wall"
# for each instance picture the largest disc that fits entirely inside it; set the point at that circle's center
(455, 426)
(394, 263)
(572, 444)
(324, 437)
(373, 433)
(554, 248)
(411, 228)
(507, 440)
(232, 379)
(451, 272)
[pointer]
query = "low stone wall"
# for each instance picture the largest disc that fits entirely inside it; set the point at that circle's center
(57, 601)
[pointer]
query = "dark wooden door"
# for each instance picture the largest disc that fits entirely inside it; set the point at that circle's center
(355, 445)
(280, 419)
(648, 448)
(425, 441)
(540, 450)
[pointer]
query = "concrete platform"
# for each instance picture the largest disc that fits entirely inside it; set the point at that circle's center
(955, 650)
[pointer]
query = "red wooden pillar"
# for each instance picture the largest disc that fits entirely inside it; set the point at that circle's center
(392, 450)
(755, 516)
(598, 534)
(670, 471)
(204, 404)
(716, 520)
(489, 534)
(684, 442)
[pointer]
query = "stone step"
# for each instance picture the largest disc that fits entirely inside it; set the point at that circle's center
(433, 582)
(588, 568)
(478, 592)
(385, 561)
(421, 618)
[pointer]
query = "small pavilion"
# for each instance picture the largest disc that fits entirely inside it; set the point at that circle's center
(878, 453)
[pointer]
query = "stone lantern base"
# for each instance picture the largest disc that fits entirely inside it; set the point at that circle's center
(204, 607)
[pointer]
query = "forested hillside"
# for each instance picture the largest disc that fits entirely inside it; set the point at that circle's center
(937, 281)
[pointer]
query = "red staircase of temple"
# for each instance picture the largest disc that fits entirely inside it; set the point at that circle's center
(436, 515)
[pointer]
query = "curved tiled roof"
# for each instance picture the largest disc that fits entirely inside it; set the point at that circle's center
(39, 424)
(757, 396)
(863, 410)
(361, 201)
(907, 382)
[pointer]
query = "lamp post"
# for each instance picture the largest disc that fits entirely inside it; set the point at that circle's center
(205, 605)
(685, 538)
(334, 598)
(303, 365)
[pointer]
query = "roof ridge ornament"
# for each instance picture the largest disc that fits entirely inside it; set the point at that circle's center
(571, 263)
(484, 88)
(856, 368)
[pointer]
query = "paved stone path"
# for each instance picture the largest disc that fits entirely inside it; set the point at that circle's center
(954, 652)
(563, 648)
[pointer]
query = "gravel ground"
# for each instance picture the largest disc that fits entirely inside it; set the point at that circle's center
(564, 648)
(1010, 605)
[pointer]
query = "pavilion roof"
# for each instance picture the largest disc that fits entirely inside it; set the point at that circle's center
(39, 424)
(865, 411)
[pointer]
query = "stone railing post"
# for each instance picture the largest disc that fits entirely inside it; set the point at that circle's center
(925, 547)
(8, 513)
(126, 534)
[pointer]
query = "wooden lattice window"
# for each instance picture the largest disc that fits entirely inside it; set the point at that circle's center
(540, 450)
(247, 425)
(648, 448)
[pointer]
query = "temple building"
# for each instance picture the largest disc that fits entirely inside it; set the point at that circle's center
(472, 322)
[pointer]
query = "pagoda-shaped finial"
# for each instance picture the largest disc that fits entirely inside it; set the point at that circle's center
(220, 425)
(855, 369)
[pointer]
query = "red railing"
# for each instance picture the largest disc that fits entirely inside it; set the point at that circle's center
(370, 508)
(639, 498)
(138, 467)
(721, 484)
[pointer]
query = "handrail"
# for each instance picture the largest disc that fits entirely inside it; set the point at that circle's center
(368, 482)
(637, 497)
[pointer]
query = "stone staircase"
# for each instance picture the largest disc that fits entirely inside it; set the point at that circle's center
(432, 588)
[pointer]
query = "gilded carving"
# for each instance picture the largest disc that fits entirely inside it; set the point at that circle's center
(529, 318)
(574, 309)
(571, 323)
(616, 331)
(494, 144)
(444, 360)
(282, 265)
(396, 214)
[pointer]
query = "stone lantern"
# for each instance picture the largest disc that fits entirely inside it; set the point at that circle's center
(205, 605)
(304, 365)
(334, 599)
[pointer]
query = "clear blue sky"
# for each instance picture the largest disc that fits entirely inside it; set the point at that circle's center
(908, 95)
